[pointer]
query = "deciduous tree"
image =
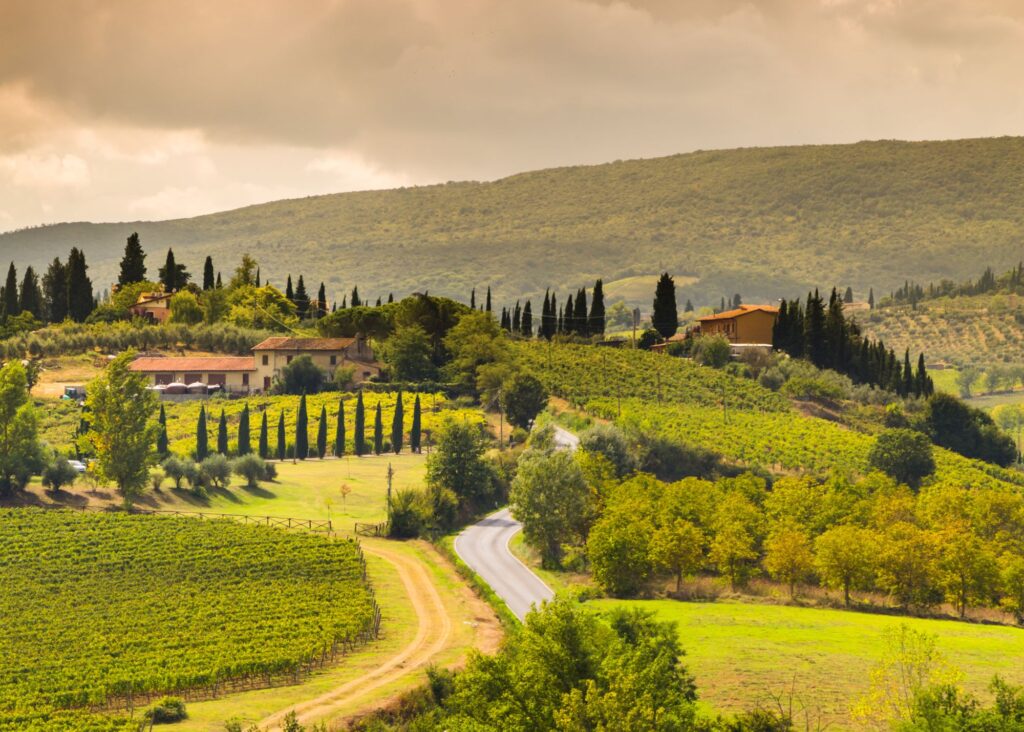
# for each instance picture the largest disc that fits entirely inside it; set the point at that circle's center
(550, 497)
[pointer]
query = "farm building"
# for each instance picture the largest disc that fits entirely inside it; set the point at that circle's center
(746, 325)
(155, 306)
(233, 374)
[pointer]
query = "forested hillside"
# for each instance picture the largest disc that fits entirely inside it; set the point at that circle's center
(762, 222)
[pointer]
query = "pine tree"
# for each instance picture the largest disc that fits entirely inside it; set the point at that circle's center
(596, 321)
(173, 276)
(133, 264)
(688, 307)
(301, 299)
(378, 431)
(526, 327)
(208, 281)
(264, 445)
(580, 313)
(339, 431)
(10, 300)
(360, 426)
(397, 425)
(487, 306)
(665, 317)
(31, 297)
(161, 435)
(321, 302)
(289, 291)
(321, 434)
(55, 291)
(222, 434)
(282, 445)
(202, 436)
(302, 430)
(848, 295)
(356, 302)
(244, 442)
(414, 430)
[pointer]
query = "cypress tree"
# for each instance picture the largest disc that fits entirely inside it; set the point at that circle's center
(264, 446)
(339, 431)
(321, 434)
(378, 431)
(487, 307)
(688, 308)
(871, 299)
(597, 320)
(721, 307)
(356, 302)
(55, 290)
(321, 302)
(244, 443)
(780, 328)
(736, 300)
(472, 299)
(360, 426)
(208, 281)
(202, 436)
(665, 317)
(814, 330)
(517, 317)
(258, 277)
(848, 295)
(289, 291)
(580, 313)
(836, 336)
(161, 436)
(222, 434)
(908, 375)
(414, 431)
(219, 284)
(282, 445)
(301, 299)
(527, 324)
(391, 297)
(302, 431)
(397, 425)
(31, 297)
(10, 300)
(569, 316)
(133, 263)
(506, 322)
(378, 302)
(173, 276)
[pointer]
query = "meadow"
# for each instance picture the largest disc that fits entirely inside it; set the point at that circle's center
(745, 655)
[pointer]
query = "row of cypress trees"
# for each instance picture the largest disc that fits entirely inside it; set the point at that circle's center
(822, 334)
(65, 291)
(301, 443)
(573, 317)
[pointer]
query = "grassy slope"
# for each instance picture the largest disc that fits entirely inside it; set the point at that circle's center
(760, 221)
(744, 655)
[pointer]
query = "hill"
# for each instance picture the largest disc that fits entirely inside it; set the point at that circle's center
(763, 222)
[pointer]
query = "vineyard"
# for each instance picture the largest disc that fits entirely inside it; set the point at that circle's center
(784, 441)
(581, 373)
(104, 611)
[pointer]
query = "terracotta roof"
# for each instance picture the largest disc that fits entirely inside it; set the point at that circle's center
(164, 364)
(741, 310)
(285, 343)
(147, 297)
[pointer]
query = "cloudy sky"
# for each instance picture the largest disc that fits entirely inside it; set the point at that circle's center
(137, 109)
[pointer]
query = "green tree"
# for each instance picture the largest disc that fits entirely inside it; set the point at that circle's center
(907, 566)
(378, 431)
(10, 305)
(31, 299)
(408, 351)
(185, 308)
(282, 443)
(133, 263)
(161, 436)
(208, 281)
(903, 454)
(596, 320)
(20, 450)
(665, 317)
(1010, 418)
(202, 436)
(1011, 574)
(301, 299)
(712, 350)
(80, 299)
(732, 551)
(339, 431)
(550, 497)
(398, 425)
(244, 441)
(457, 464)
(475, 341)
(222, 434)
(246, 273)
(967, 570)
(302, 376)
(845, 557)
(677, 546)
(523, 397)
(173, 276)
(788, 557)
(55, 291)
(321, 434)
(264, 445)
(302, 430)
(360, 426)
(619, 548)
(414, 431)
(122, 431)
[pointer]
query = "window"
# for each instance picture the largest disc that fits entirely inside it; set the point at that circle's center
(266, 360)
(334, 360)
(288, 359)
(217, 379)
(245, 379)
(164, 379)
(193, 378)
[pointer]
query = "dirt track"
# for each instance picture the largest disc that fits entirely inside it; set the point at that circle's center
(432, 635)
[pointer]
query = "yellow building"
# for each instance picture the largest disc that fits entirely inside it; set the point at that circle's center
(234, 374)
(154, 306)
(747, 324)
(329, 354)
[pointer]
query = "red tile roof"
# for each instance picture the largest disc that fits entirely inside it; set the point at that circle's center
(285, 343)
(741, 310)
(206, 364)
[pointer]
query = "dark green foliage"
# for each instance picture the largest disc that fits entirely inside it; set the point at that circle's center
(301, 299)
(222, 434)
(526, 325)
(580, 324)
(264, 444)
(414, 431)
(31, 298)
(903, 454)
(321, 303)
(378, 431)
(167, 710)
(302, 431)
(523, 397)
(58, 473)
(10, 304)
(487, 306)
(321, 434)
(202, 436)
(457, 465)
(665, 317)
(397, 425)
(55, 291)
(289, 291)
(339, 431)
(301, 376)
(161, 436)
(360, 426)
(133, 263)
(244, 441)
(596, 320)
(647, 339)
(80, 299)
(282, 443)
(968, 431)
(208, 282)
(173, 276)
(355, 301)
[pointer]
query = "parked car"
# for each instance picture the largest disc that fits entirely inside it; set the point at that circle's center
(78, 465)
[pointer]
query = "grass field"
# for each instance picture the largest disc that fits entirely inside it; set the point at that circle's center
(744, 655)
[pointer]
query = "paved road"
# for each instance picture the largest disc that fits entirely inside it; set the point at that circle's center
(484, 547)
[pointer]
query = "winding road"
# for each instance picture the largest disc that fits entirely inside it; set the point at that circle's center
(484, 547)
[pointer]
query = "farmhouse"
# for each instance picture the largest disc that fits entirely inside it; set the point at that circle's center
(233, 374)
(746, 325)
(155, 306)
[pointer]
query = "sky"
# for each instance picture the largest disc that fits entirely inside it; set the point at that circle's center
(121, 110)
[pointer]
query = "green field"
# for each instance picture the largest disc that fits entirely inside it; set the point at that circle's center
(160, 604)
(747, 655)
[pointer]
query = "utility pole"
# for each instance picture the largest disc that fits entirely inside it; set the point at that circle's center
(391, 474)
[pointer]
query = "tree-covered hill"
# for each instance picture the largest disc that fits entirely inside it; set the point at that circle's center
(764, 222)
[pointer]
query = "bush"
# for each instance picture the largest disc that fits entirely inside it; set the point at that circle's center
(156, 479)
(167, 710)
(252, 468)
(301, 376)
(179, 469)
(215, 471)
(58, 474)
(408, 513)
(713, 351)
(647, 339)
(611, 442)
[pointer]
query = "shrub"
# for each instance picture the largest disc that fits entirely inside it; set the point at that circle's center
(156, 479)
(167, 710)
(58, 474)
(252, 468)
(408, 513)
(179, 469)
(713, 351)
(215, 471)
(301, 376)
(611, 442)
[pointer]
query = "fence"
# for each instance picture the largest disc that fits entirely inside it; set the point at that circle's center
(379, 529)
(282, 521)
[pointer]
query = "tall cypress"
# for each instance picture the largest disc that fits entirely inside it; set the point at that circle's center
(360, 426)
(908, 375)
(339, 431)
(378, 431)
(133, 263)
(414, 431)
(219, 284)
(569, 316)
(321, 302)
(161, 435)
(472, 299)
(10, 302)
(31, 296)
(222, 434)
(871, 298)
(526, 327)
(289, 291)
(264, 445)
(397, 426)
(202, 436)
(356, 302)
(487, 306)
(282, 444)
(517, 316)
(321, 434)
(596, 322)
(665, 317)
(244, 442)
(580, 313)
(208, 277)
(301, 299)
(258, 283)
(814, 330)
(302, 430)
(55, 291)
(173, 276)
